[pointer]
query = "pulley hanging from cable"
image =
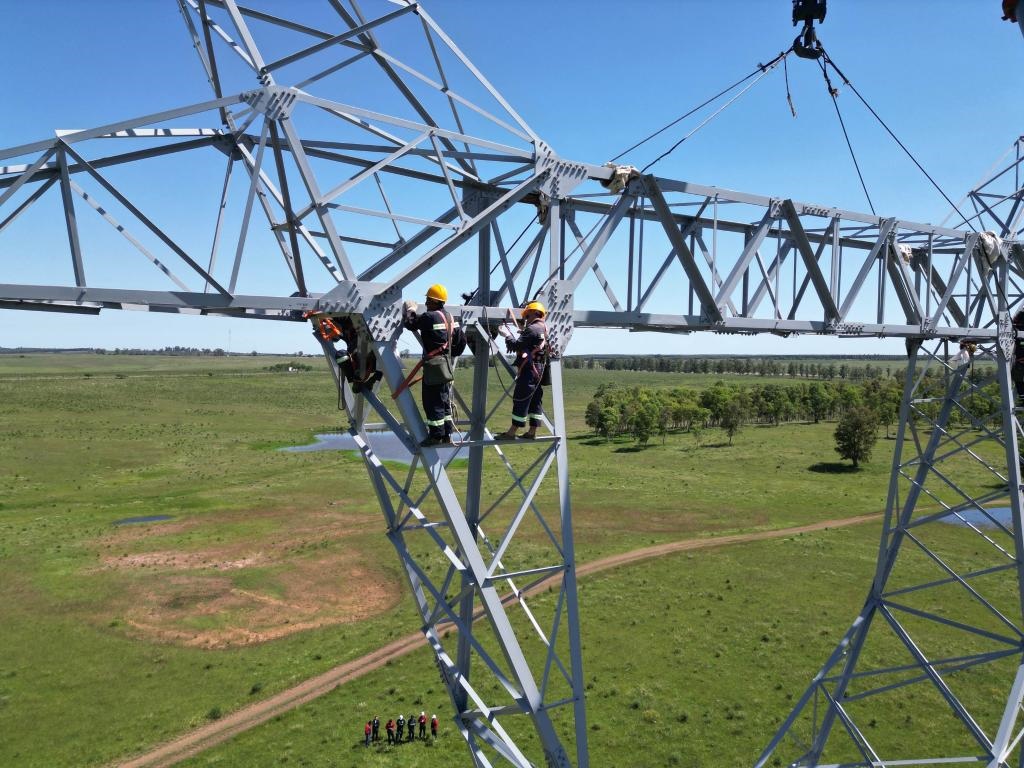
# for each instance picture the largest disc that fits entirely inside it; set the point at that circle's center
(806, 44)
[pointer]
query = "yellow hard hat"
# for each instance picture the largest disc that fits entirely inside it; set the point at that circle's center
(535, 306)
(437, 292)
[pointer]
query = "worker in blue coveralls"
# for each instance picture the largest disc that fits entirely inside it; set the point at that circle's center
(531, 351)
(442, 340)
(1013, 10)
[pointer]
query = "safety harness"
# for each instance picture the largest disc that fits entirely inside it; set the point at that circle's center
(412, 378)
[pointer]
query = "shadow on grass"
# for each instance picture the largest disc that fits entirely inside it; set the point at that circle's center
(630, 449)
(833, 468)
(715, 445)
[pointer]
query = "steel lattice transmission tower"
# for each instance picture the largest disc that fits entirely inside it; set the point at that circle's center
(350, 157)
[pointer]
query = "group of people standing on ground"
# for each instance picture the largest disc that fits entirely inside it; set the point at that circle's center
(399, 729)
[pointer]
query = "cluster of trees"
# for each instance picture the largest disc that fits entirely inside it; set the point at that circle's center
(288, 367)
(642, 413)
(744, 366)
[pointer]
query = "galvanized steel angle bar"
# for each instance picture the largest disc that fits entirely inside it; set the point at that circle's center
(293, 258)
(552, 640)
(147, 222)
(803, 246)
(219, 223)
(70, 219)
(247, 212)
(514, 690)
(362, 175)
(380, 132)
(313, 189)
(885, 229)
(697, 237)
(444, 83)
(447, 177)
(469, 229)
(961, 262)
(50, 171)
(27, 202)
(604, 228)
(582, 242)
(697, 284)
(109, 218)
(30, 172)
(454, 97)
(506, 538)
(370, 40)
(477, 74)
(355, 113)
(855, 734)
(337, 39)
(517, 479)
(228, 40)
(937, 680)
(746, 256)
(966, 586)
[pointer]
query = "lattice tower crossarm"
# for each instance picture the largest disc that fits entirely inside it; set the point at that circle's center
(369, 193)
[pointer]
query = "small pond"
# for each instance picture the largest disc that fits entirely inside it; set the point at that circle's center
(976, 518)
(385, 445)
(143, 519)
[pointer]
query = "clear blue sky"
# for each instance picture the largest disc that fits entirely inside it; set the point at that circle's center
(590, 78)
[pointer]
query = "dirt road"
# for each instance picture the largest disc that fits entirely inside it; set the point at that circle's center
(219, 731)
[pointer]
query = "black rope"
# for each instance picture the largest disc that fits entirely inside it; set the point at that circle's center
(765, 69)
(828, 60)
(849, 145)
(760, 68)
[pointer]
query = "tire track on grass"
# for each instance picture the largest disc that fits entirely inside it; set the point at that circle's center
(219, 731)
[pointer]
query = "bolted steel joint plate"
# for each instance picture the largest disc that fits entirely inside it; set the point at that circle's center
(379, 306)
(1007, 335)
(275, 101)
(557, 298)
(563, 176)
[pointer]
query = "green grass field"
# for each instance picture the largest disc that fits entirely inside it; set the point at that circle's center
(274, 568)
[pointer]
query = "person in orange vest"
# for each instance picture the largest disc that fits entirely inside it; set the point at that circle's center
(390, 728)
(366, 734)
(531, 365)
(433, 726)
(423, 725)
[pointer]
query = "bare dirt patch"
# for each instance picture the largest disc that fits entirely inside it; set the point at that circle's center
(306, 569)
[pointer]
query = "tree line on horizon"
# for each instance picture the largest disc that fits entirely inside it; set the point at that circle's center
(828, 369)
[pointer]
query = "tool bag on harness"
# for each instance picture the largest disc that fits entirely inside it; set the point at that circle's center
(437, 367)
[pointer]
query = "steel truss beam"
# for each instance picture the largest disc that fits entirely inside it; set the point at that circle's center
(354, 174)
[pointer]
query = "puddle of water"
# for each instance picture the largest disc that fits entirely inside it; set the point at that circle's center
(143, 519)
(385, 445)
(975, 517)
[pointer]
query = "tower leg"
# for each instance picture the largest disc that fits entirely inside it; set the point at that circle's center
(940, 617)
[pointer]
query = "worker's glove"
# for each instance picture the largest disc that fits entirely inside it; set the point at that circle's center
(508, 345)
(411, 307)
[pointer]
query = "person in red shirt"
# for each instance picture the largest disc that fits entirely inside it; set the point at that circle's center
(433, 726)
(423, 725)
(390, 728)
(366, 733)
